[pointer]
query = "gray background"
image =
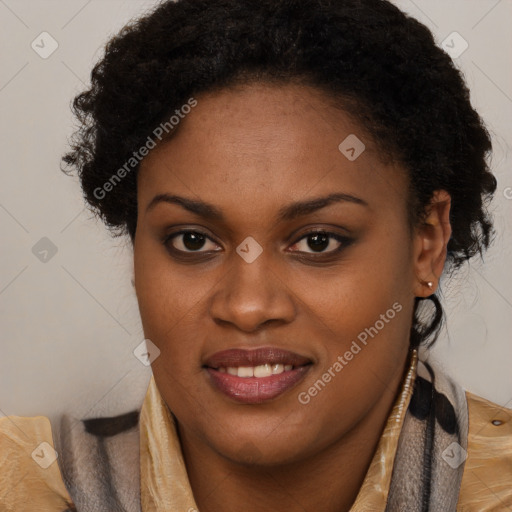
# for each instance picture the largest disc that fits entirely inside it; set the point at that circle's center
(70, 324)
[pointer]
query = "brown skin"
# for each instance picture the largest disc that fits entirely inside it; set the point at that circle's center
(250, 151)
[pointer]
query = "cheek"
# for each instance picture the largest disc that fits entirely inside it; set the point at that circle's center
(352, 295)
(169, 300)
(364, 309)
(365, 332)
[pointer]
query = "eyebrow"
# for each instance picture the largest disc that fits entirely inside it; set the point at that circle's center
(286, 213)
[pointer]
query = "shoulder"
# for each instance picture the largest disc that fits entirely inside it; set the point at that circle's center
(59, 473)
(487, 478)
(30, 477)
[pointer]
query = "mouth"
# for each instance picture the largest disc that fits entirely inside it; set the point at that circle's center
(256, 376)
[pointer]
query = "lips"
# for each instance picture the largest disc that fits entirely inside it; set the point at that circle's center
(248, 387)
(256, 357)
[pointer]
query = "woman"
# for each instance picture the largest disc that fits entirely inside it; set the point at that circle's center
(295, 180)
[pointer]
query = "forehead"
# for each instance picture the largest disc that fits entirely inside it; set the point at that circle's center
(262, 145)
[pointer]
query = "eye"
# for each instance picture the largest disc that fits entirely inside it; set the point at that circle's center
(318, 241)
(189, 241)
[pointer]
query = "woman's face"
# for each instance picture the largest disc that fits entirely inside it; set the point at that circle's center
(248, 279)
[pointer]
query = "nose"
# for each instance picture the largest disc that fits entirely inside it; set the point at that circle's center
(251, 295)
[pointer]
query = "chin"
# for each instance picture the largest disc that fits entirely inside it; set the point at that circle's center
(250, 449)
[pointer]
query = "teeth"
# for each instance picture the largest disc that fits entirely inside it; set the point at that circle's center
(277, 368)
(245, 371)
(263, 370)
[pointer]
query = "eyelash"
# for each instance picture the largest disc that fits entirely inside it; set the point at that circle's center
(343, 240)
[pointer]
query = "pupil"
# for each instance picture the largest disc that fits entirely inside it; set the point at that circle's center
(193, 241)
(320, 242)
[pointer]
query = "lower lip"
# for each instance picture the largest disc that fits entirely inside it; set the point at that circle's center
(255, 390)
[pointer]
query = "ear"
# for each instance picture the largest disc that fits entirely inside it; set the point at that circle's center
(430, 244)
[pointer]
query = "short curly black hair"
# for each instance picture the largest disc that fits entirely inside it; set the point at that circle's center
(380, 64)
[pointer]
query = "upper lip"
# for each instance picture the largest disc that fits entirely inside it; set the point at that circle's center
(266, 355)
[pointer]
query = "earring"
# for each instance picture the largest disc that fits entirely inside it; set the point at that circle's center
(430, 284)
